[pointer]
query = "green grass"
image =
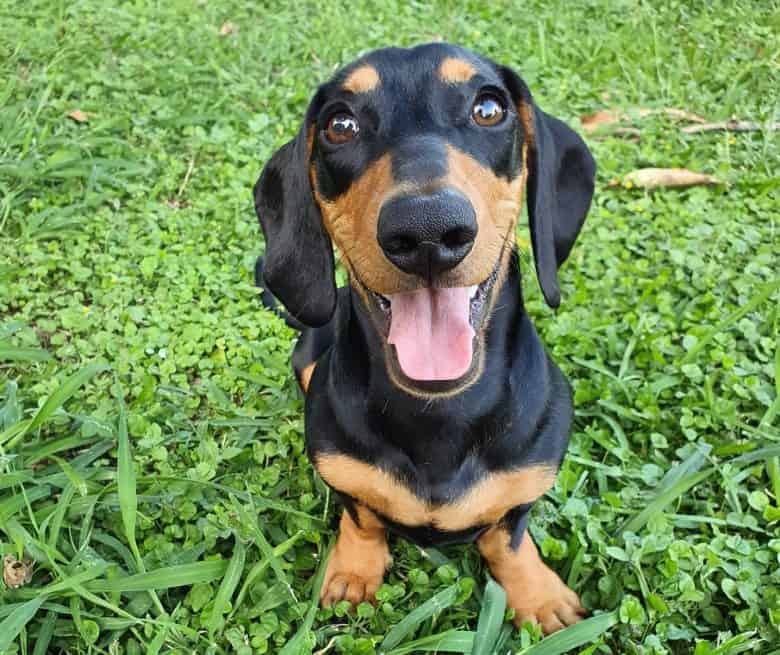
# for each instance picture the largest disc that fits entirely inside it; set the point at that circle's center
(151, 454)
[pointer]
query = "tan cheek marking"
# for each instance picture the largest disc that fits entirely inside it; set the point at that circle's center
(483, 504)
(352, 220)
(455, 71)
(306, 374)
(497, 203)
(362, 80)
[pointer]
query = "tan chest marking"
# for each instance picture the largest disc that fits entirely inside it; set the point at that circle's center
(483, 504)
(306, 374)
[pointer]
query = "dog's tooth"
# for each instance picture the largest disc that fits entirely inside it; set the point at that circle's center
(473, 290)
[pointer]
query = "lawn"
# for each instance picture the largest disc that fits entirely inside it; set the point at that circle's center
(154, 492)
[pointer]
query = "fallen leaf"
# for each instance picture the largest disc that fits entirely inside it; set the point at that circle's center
(592, 122)
(16, 573)
(606, 117)
(683, 115)
(227, 28)
(729, 126)
(79, 116)
(654, 178)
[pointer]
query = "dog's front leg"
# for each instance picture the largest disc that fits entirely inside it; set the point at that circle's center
(359, 560)
(533, 590)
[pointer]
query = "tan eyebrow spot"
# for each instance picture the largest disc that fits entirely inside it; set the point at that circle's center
(362, 80)
(455, 71)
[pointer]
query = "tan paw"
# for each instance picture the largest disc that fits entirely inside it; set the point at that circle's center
(533, 589)
(552, 605)
(353, 587)
(358, 562)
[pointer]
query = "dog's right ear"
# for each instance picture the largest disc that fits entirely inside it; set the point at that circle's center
(298, 267)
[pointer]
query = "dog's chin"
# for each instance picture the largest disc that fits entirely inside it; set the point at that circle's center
(434, 343)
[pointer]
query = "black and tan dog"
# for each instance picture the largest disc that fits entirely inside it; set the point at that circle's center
(431, 406)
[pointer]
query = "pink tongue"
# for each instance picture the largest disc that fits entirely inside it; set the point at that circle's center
(431, 332)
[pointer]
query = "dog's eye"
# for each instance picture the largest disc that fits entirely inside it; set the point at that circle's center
(488, 110)
(341, 128)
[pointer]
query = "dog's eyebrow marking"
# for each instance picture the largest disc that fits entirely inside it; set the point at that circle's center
(485, 503)
(363, 79)
(456, 71)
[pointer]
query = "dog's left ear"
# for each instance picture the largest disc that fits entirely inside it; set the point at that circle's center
(561, 175)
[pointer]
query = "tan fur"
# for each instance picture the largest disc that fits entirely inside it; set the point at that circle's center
(534, 591)
(363, 79)
(358, 562)
(526, 114)
(352, 218)
(484, 504)
(455, 71)
(306, 374)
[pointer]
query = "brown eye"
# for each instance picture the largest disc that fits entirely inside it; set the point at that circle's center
(341, 128)
(488, 110)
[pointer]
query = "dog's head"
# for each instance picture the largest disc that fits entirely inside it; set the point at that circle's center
(414, 162)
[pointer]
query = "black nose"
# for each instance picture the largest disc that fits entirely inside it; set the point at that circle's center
(427, 234)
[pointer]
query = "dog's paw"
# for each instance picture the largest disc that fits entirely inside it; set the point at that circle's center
(354, 587)
(354, 576)
(533, 589)
(358, 562)
(547, 601)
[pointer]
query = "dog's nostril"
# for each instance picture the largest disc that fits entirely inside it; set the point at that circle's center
(457, 237)
(401, 244)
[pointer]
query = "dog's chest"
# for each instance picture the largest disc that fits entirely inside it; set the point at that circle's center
(449, 507)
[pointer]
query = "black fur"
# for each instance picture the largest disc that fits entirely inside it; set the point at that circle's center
(518, 412)
(298, 267)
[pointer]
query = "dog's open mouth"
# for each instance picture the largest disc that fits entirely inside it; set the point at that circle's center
(433, 332)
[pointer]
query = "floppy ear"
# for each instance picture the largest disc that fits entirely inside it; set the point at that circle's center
(298, 267)
(561, 173)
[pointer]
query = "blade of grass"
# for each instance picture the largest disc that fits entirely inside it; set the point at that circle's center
(405, 626)
(11, 505)
(127, 492)
(452, 641)
(46, 450)
(227, 587)
(12, 354)
(295, 645)
(45, 634)
(262, 543)
(164, 578)
(10, 479)
(491, 618)
(763, 294)
(664, 496)
(257, 570)
(77, 482)
(579, 634)
(59, 397)
(157, 642)
(58, 515)
(12, 625)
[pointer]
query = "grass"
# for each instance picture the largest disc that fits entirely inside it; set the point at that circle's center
(151, 454)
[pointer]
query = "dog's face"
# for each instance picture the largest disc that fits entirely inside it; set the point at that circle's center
(413, 163)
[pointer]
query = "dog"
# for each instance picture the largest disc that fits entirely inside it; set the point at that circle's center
(431, 406)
